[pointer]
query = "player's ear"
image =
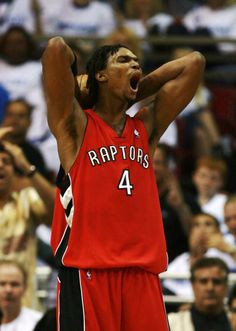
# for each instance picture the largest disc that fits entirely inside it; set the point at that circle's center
(101, 76)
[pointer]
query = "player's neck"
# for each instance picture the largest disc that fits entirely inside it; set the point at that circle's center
(115, 120)
(109, 102)
(110, 108)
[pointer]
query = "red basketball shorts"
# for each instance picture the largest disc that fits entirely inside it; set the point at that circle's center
(128, 299)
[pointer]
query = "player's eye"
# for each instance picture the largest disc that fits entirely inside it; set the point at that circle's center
(122, 59)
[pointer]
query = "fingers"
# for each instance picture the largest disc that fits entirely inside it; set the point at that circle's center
(5, 130)
(16, 152)
(82, 81)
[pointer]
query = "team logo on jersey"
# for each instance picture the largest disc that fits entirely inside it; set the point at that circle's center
(89, 275)
(136, 133)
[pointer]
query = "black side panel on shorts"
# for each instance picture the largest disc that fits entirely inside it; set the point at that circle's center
(71, 308)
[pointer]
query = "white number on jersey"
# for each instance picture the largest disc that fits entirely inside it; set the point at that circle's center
(124, 183)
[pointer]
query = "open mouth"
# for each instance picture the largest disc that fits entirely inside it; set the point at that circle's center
(135, 78)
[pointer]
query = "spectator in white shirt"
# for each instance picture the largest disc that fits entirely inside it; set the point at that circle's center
(209, 177)
(218, 18)
(16, 12)
(205, 240)
(85, 18)
(21, 76)
(13, 282)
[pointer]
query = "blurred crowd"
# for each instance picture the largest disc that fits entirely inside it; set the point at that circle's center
(194, 161)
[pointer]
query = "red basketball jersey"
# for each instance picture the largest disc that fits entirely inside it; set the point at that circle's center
(107, 212)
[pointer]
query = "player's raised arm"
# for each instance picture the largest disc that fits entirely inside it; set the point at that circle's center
(66, 119)
(174, 85)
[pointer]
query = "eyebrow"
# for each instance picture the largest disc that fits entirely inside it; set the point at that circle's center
(128, 57)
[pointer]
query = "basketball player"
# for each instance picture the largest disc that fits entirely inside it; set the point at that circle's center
(107, 227)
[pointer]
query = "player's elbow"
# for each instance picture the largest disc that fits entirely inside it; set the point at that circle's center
(197, 61)
(56, 43)
(55, 46)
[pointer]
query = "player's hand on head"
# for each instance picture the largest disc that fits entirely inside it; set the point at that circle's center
(82, 82)
(82, 92)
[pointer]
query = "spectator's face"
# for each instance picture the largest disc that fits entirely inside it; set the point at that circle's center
(16, 48)
(17, 116)
(6, 172)
(159, 165)
(203, 227)
(207, 181)
(230, 216)
(11, 287)
(210, 289)
(205, 224)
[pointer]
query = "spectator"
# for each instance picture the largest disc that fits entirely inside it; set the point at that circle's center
(17, 115)
(21, 75)
(232, 307)
(205, 240)
(208, 177)
(176, 208)
(13, 283)
(22, 210)
(142, 15)
(17, 12)
(215, 17)
(209, 279)
(85, 18)
(230, 219)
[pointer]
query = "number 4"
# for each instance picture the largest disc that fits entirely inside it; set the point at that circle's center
(124, 183)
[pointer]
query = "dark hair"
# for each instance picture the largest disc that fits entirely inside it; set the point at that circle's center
(208, 262)
(31, 47)
(97, 62)
(217, 223)
(20, 100)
